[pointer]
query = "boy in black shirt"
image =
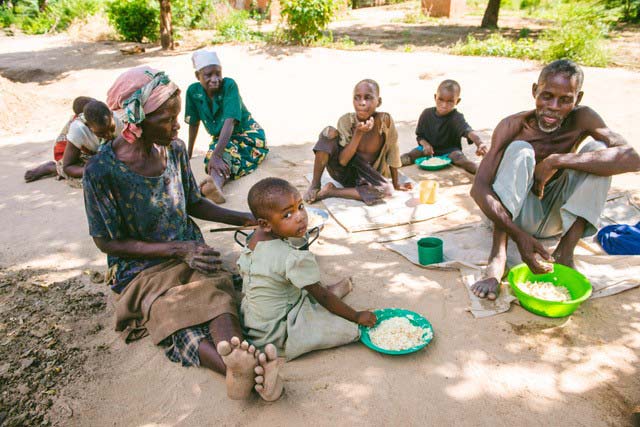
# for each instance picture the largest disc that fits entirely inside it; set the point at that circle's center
(440, 129)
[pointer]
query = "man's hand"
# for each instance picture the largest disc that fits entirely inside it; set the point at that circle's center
(528, 246)
(200, 257)
(366, 126)
(427, 149)
(366, 318)
(218, 167)
(405, 186)
(543, 173)
(481, 150)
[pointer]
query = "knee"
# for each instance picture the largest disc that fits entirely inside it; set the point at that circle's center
(518, 151)
(592, 146)
(329, 132)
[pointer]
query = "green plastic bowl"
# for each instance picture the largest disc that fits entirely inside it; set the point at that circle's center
(577, 285)
(433, 168)
(387, 313)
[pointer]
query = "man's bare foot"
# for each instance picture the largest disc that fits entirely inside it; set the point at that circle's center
(269, 385)
(312, 192)
(211, 191)
(45, 169)
(325, 191)
(486, 288)
(564, 259)
(342, 288)
(240, 360)
(489, 287)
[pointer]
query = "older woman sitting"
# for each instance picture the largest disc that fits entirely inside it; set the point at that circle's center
(139, 195)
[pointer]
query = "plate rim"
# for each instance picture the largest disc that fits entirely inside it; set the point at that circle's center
(369, 344)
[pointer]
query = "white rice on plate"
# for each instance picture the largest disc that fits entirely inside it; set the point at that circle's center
(434, 161)
(397, 333)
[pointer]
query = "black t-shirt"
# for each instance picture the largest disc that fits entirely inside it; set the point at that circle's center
(443, 132)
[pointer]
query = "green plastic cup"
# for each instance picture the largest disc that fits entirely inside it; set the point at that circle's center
(429, 250)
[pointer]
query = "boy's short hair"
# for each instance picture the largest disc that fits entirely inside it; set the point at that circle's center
(562, 66)
(80, 102)
(98, 113)
(450, 85)
(262, 195)
(372, 82)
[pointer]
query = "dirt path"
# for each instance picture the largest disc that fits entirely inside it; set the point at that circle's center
(513, 369)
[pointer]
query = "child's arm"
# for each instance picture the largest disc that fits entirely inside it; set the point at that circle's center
(351, 148)
(339, 308)
(396, 185)
(71, 161)
(427, 148)
(482, 148)
(193, 133)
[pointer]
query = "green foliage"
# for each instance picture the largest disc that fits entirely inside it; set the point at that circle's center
(578, 34)
(497, 45)
(232, 26)
(307, 19)
(628, 10)
(57, 16)
(192, 13)
(134, 20)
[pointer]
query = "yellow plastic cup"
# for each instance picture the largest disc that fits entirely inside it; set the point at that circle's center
(428, 191)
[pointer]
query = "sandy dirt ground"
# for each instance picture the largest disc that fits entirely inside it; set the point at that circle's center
(512, 369)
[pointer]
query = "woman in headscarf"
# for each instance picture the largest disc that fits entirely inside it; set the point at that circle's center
(139, 195)
(239, 144)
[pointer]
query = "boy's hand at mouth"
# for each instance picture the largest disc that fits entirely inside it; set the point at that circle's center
(365, 126)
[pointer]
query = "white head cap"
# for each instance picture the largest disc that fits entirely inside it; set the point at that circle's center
(203, 58)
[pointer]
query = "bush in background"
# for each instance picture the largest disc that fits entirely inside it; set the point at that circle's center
(193, 13)
(578, 34)
(57, 16)
(307, 19)
(498, 45)
(134, 20)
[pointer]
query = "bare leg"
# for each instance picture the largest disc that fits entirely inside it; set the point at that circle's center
(489, 287)
(564, 251)
(231, 357)
(41, 171)
(268, 382)
(319, 165)
(460, 160)
(330, 190)
(410, 157)
(342, 288)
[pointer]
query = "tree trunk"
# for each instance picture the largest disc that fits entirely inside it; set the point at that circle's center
(490, 18)
(166, 29)
(42, 5)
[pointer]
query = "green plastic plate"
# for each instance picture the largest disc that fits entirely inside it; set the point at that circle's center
(387, 313)
(433, 168)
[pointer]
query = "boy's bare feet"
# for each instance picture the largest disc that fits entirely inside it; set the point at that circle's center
(312, 193)
(269, 385)
(342, 288)
(325, 191)
(211, 191)
(45, 169)
(239, 358)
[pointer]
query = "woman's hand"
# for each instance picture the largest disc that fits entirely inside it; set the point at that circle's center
(200, 257)
(366, 318)
(218, 167)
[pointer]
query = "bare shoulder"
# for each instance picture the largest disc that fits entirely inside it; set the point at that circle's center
(509, 129)
(587, 118)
